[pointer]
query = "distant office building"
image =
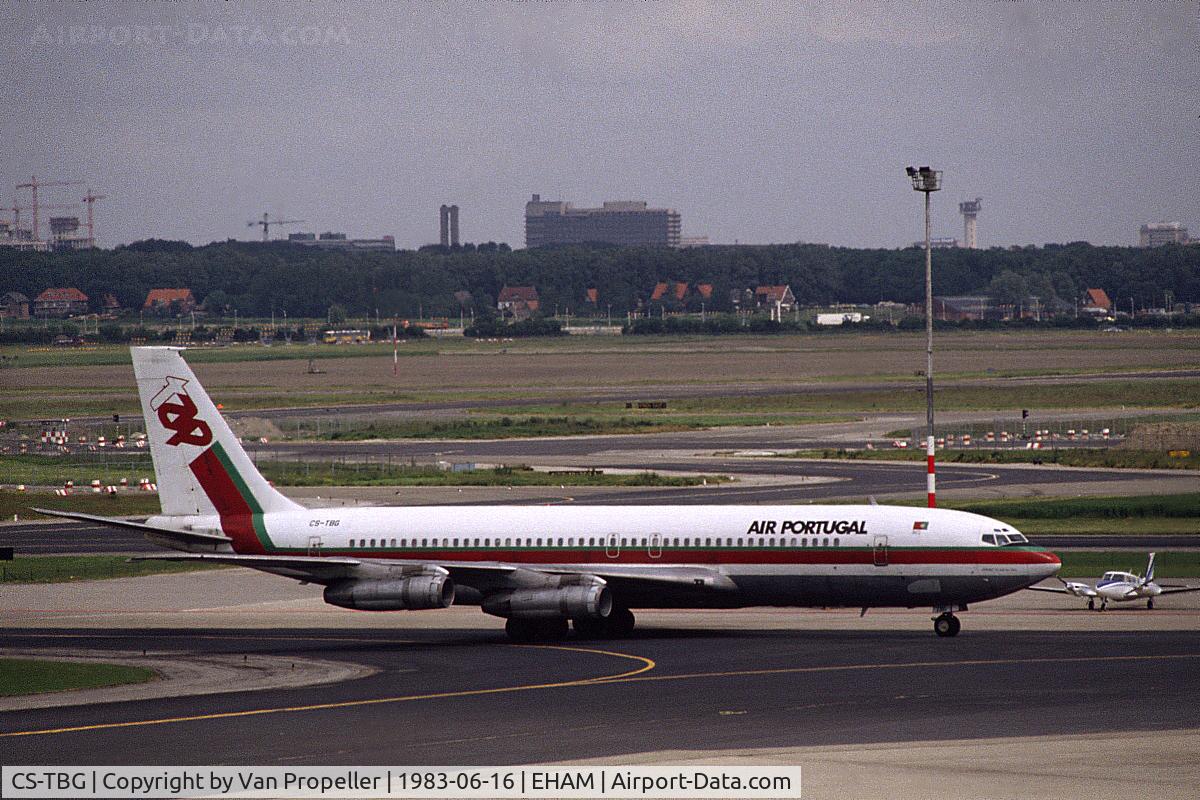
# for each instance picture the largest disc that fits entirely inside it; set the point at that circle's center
(1155, 234)
(64, 234)
(621, 222)
(338, 241)
(20, 239)
(693, 241)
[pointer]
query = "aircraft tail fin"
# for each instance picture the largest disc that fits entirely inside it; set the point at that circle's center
(199, 464)
(1149, 570)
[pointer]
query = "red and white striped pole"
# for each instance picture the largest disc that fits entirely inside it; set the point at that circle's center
(928, 180)
(931, 477)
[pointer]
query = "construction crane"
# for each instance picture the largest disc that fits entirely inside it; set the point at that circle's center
(34, 184)
(266, 222)
(89, 199)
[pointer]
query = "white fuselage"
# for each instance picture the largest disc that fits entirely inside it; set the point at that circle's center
(775, 555)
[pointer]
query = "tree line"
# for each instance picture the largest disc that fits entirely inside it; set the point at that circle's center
(256, 279)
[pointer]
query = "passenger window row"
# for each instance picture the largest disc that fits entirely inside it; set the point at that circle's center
(672, 543)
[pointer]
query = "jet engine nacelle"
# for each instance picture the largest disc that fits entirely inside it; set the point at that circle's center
(414, 593)
(588, 601)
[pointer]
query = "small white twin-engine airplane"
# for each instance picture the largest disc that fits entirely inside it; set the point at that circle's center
(542, 566)
(1118, 587)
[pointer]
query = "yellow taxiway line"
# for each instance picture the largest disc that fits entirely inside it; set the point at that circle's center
(634, 675)
(646, 665)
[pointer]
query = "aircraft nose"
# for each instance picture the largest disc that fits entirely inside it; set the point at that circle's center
(1049, 565)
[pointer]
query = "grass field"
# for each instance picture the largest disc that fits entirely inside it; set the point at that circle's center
(63, 569)
(1142, 514)
(85, 502)
(20, 676)
(83, 468)
(66, 383)
(285, 473)
(1092, 564)
(499, 427)
(1107, 458)
(54, 470)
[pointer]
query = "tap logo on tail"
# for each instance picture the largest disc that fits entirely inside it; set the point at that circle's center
(177, 412)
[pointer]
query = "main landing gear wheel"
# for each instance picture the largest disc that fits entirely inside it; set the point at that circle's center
(1091, 605)
(946, 625)
(535, 630)
(620, 623)
(590, 627)
(1150, 604)
(617, 625)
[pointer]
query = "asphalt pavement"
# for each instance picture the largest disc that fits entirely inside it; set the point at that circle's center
(467, 697)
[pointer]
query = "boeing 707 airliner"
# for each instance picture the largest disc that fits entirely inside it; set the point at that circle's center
(546, 569)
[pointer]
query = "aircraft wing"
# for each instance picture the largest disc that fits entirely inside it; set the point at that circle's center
(306, 568)
(1073, 588)
(1179, 589)
(486, 576)
(651, 574)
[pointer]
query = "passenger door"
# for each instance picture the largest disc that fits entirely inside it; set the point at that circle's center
(612, 546)
(881, 551)
(655, 548)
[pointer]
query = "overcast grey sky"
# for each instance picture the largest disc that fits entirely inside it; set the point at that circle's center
(759, 122)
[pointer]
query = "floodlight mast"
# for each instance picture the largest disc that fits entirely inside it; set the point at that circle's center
(928, 180)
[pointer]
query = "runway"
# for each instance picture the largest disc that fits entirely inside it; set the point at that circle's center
(466, 697)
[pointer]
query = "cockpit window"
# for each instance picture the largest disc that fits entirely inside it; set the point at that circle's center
(989, 538)
(1017, 538)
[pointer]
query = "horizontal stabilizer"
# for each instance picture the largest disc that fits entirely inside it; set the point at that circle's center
(188, 537)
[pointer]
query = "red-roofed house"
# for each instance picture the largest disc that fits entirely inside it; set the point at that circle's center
(705, 290)
(518, 302)
(593, 296)
(773, 296)
(178, 301)
(60, 302)
(1097, 298)
(677, 292)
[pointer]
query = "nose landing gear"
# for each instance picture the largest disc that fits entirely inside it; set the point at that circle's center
(946, 624)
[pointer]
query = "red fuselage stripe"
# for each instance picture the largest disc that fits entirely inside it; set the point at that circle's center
(820, 555)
